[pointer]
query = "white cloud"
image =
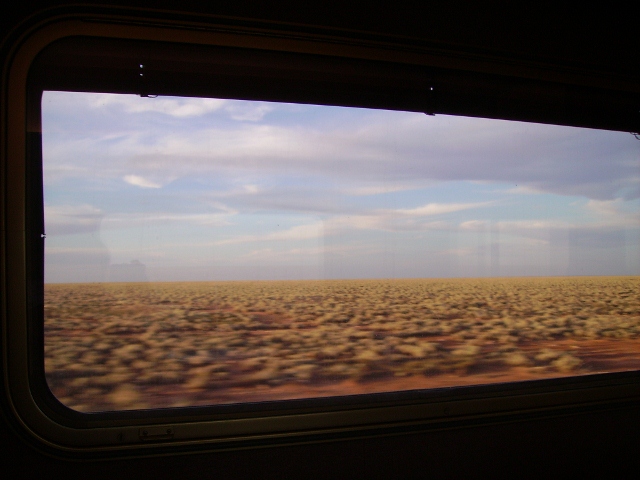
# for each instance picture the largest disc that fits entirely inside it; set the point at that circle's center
(605, 207)
(384, 220)
(139, 181)
(474, 225)
(250, 111)
(615, 212)
(402, 219)
(298, 232)
(439, 208)
(224, 208)
(532, 224)
(175, 107)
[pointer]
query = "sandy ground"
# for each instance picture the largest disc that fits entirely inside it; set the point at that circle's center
(149, 345)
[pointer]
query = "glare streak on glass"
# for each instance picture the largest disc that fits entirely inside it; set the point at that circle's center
(207, 251)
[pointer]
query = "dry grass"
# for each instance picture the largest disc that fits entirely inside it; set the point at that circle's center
(122, 346)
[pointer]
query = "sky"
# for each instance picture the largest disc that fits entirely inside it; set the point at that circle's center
(192, 189)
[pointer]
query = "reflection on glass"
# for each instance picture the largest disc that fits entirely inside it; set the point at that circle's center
(206, 251)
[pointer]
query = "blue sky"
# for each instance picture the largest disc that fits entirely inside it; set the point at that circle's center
(210, 189)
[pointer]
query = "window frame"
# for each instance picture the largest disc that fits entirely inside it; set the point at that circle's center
(611, 103)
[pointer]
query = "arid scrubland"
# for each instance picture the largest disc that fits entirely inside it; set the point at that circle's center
(141, 345)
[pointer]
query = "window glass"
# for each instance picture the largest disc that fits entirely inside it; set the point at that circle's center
(209, 251)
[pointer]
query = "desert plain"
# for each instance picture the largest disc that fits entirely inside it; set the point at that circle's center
(119, 346)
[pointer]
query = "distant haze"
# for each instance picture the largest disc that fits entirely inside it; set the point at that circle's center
(177, 189)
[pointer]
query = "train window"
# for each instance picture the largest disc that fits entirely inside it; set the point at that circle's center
(221, 234)
(207, 251)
